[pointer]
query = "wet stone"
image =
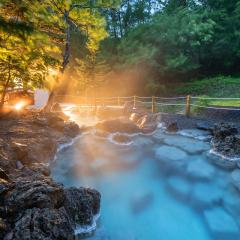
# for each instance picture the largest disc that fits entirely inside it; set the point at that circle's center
(189, 145)
(200, 169)
(180, 187)
(205, 195)
(121, 138)
(195, 133)
(170, 153)
(221, 161)
(221, 224)
(171, 156)
(235, 177)
(231, 203)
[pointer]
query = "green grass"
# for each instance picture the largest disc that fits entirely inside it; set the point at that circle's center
(220, 86)
(225, 103)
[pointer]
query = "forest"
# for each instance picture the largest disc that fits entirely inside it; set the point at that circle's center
(106, 47)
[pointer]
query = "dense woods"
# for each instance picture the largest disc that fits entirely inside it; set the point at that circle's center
(124, 46)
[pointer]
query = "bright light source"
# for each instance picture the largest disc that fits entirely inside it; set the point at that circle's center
(19, 106)
(52, 72)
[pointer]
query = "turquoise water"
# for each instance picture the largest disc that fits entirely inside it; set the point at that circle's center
(159, 186)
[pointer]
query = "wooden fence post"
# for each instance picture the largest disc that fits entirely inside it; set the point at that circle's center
(188, 105)
(153, 104)
(134, 102)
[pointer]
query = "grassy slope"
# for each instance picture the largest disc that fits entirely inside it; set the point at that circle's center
(223, 87)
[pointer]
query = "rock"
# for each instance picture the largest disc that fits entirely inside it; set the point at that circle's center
(55, 122)
(172, 127)
(100, 133)
(19, 165)
(180, 187)
(224, 130)
(231, 202)
(3, 228)
(82, 204)
(170, 153)
(148, 123)
(4, 186)
(143, 141)
(158, 136)
(56, 107)
(205, 195)
(221, 161)
(204, 125)
(3, 175)
(235, 176)
(121, 138)
(42, 168)
(32, 206)
(26, 194)
(71, 129)
(43, 224)
(200, 169)
(189, 145)
(120, 125)
(33, 150)
(221, 225)
(195, 133)
(226, 140)
(135, 117)
(171, 156)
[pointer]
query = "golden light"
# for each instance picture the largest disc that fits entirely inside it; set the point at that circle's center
(52, 71)
(19, 106)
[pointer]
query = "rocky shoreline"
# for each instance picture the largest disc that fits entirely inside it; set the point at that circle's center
(32, 205)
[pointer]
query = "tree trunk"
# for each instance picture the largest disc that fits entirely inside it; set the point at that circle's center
(6, 85)
(65, 62)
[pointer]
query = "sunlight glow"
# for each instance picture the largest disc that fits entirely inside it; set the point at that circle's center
(19, 106)
(52, 71)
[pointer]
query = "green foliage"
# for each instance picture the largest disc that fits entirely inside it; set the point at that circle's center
(214, 87)
(176, 41)
(34, 33)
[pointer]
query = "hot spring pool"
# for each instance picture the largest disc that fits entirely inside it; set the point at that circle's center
(159, 186)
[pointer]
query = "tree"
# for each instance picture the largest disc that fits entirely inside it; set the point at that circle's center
(26, 50)
(82, 16)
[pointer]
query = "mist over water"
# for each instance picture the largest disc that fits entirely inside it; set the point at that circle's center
(158, 187)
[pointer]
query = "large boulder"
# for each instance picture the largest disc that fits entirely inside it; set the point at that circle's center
(226, 140)
(26, 194)
(42, 209)
(121, 125)
(27, 150)
(172, 126)
(82, 204)
(148, 123)
(71, 129)
(43, 224)
(121, 138)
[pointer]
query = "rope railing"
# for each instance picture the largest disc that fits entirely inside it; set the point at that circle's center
(155, 102)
